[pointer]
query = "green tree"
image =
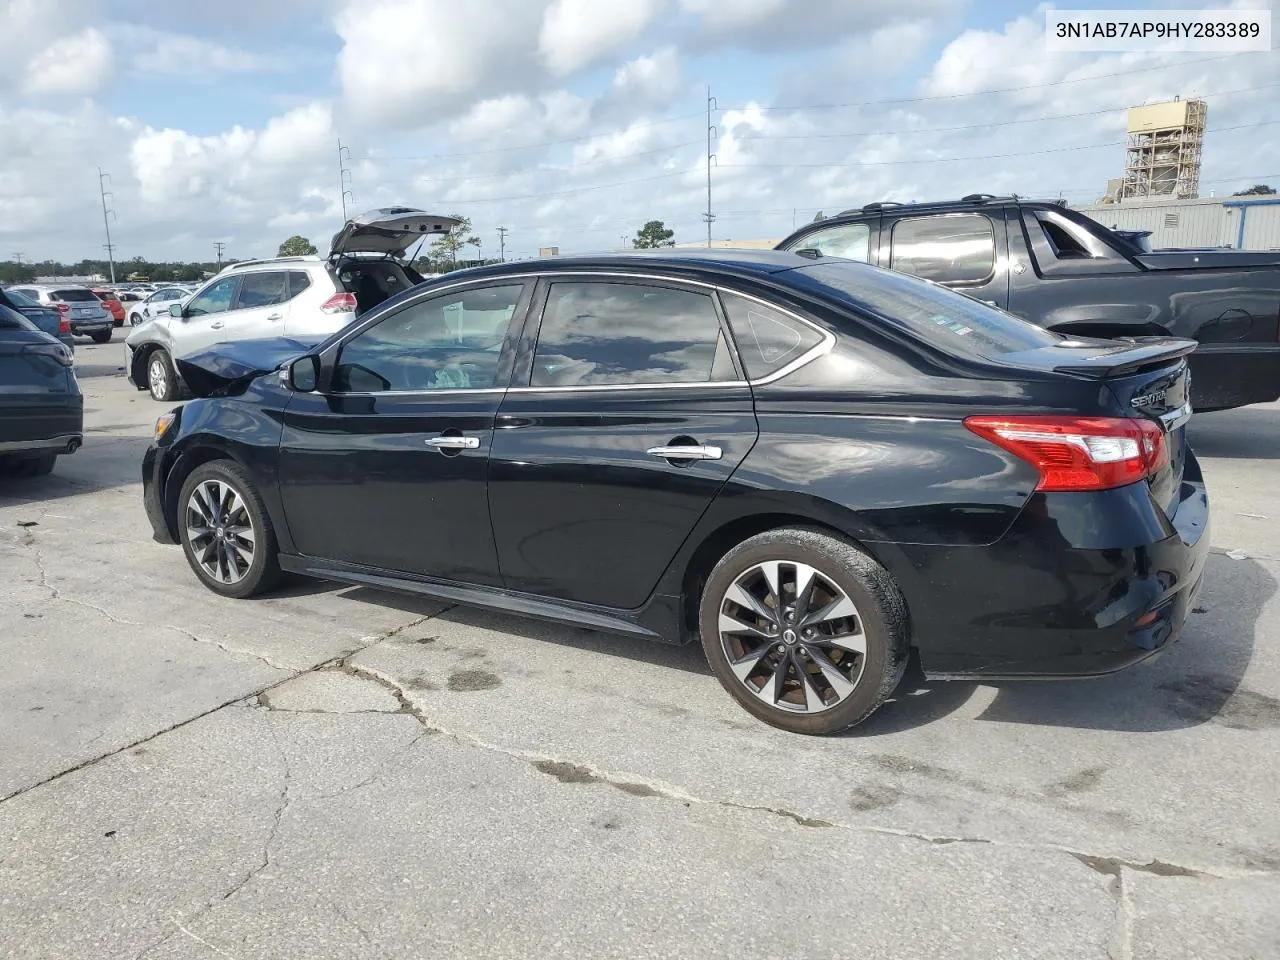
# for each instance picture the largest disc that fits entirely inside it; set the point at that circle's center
(297, 246)
(444, 250)
(653, 234)
(1257, 190)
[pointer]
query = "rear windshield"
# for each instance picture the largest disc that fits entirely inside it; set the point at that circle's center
(20, 299)
(105, 295)
(75, 296)
(941, 317)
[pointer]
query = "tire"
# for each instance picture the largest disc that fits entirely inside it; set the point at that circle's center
(104, 337)
(36, 466)
(162, 378)
(858, 596)
(135, 320)
(244, 522)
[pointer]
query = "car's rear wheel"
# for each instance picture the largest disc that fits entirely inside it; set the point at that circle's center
(226, 532)
(103, 337)
(805, 630)
(162, 379)
(37, 466)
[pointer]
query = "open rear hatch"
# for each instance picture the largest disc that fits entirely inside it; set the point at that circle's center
(389, 231)
(1149, 378)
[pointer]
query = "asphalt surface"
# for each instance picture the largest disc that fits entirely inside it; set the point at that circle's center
(334, 772)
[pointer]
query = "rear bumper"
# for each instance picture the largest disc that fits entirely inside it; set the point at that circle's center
(63, 443)
(1083, 584)
(1234, 375)
(86, 327)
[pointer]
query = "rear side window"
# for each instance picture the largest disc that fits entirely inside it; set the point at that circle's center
(75, 296)
(299, 280)
(21, 299)
(32, 295)
(263, 289)
(851, 241)
(941, 317)
(597, 333)
(957, 248)
(767, 339)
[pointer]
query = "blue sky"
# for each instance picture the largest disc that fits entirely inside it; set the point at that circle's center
(571, 122)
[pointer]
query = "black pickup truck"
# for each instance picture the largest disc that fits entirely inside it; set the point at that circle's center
(1060, 269)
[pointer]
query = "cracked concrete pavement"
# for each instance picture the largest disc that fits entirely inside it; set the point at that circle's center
(334, 772)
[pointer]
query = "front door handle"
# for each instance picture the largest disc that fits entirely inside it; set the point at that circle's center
(276, 316)
(216, 326)
(686, 452)
(454, 443)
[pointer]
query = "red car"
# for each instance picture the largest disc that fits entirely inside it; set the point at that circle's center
(112, 303)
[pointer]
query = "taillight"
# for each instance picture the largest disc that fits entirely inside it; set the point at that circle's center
(64, 325)
(1080, 453)
(340, 303)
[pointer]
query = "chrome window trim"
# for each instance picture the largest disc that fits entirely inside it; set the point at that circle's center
(820, 349)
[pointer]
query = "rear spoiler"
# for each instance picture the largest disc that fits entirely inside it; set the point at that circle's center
(1123, 356)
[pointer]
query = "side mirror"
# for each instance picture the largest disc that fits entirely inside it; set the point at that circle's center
(175, 310)
(303, 374)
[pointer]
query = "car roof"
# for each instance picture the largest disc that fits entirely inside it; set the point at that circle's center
(711, 260)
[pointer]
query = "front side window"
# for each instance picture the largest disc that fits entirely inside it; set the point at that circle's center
(956, 248)
(851, 241)
(595, 333)
(263, 289)
(450, 342)
(767, 339)
(216, 298)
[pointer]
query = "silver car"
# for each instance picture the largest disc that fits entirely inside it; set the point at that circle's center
(79, 306)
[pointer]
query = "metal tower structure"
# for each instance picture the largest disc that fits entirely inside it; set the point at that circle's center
(1162, 158)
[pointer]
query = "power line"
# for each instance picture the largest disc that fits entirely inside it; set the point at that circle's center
(556, 169)
(104, 193)
(999, 90)
(566, 193)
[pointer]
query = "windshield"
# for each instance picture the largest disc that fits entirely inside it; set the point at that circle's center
(941, 317)
(75, 296)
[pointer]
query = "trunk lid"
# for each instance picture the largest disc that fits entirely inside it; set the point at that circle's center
(1147, 376)
(389, 231)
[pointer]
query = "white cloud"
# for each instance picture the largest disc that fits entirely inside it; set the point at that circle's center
(407, 62)
(771, 25)
(148, 50)
(577, 33)
(78, 64)
(652, 78)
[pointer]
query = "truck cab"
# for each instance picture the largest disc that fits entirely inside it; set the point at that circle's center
(1059, 269)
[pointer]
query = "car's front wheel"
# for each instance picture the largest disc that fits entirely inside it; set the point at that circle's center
(226, 532)
(162, 379)
(805, 630)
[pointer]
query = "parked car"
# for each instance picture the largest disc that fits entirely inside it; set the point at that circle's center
(48, 319)
(111, 302)
(156, 304)
(1066, 272)
(41, 409)
(813, 466)
(84, 312)
(284, 296)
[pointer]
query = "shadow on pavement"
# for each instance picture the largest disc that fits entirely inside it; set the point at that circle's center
(103, 463)
(1196, 681)
(1245, 434)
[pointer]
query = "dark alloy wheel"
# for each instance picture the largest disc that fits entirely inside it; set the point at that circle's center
(805, 630)
(225, 530)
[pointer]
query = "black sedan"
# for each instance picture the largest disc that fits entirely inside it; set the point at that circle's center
(41, 408)
(814, 466)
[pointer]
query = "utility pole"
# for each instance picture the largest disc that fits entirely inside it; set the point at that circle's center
(711, 132)
(218, 245)
(18, 257)
(344, 177)
(502, 244)
(104, 193)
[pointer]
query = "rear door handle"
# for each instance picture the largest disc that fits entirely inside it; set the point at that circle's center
(276, 316)
(686, 452)
(454, 443)
(216, 326)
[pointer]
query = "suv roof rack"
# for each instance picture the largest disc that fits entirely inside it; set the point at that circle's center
(984, 197)
(239, 264)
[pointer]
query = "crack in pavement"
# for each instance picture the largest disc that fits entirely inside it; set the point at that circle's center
(569, 772)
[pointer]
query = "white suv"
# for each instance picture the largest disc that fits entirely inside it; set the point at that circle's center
(303, 298)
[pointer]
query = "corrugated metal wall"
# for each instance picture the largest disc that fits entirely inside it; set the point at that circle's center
(1206, 222)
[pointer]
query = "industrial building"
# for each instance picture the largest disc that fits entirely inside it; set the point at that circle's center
(1162, 154)
(1243, 223)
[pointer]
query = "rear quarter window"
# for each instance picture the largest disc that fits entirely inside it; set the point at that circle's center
(940, 317)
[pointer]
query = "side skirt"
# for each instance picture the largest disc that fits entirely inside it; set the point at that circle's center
(510, 601)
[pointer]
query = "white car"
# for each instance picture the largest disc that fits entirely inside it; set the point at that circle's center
(156, 304)
(305, 298)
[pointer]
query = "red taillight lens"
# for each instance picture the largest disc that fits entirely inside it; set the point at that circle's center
(1080, 453)
(62, 307)
(340, 303)
(64, 325)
